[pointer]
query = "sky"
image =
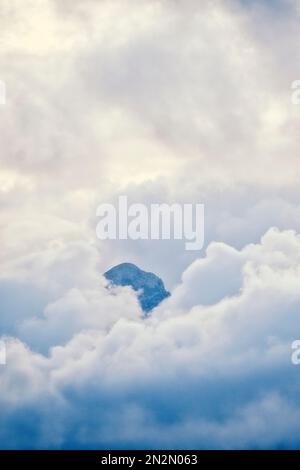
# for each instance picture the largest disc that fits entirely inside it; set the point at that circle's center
(163, 101)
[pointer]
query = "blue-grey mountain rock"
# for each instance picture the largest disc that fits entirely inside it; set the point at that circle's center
(150, 288)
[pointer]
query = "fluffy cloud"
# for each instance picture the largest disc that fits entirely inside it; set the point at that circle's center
(166, 102)
(206, 370)
(158, 100)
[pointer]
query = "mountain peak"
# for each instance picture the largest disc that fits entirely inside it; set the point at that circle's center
(150, 288)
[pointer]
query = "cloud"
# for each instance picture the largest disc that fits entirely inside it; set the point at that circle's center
(155, 99)
(197, 373)
(221, 273)
(166, 102)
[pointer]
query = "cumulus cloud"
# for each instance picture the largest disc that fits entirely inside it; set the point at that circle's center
(202, 371)
(164, 101)
(157, 99)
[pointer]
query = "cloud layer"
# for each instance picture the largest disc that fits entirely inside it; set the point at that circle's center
(164, 101)
(210, 369)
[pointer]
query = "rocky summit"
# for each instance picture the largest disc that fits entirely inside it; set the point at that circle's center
(150, 288)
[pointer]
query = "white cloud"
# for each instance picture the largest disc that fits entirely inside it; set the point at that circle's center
(237, 349)
(167, 102)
